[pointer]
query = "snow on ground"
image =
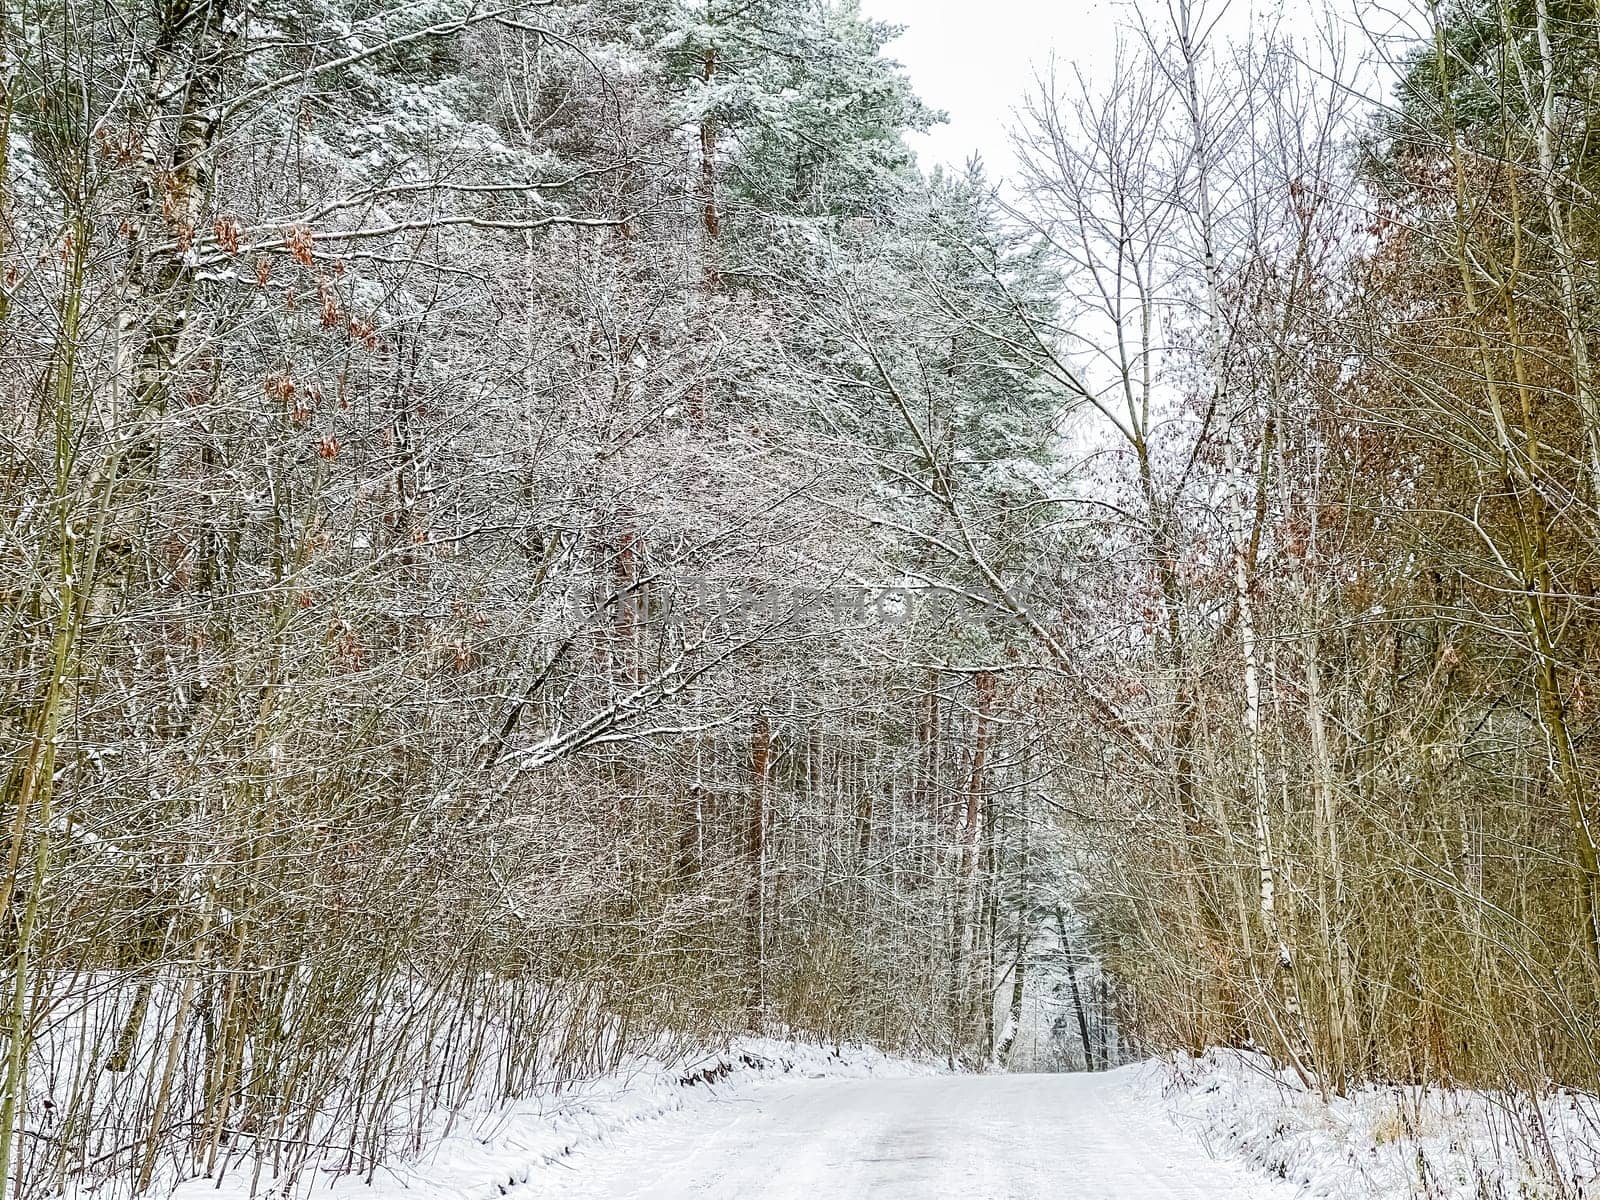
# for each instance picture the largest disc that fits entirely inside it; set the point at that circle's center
(973, 1137)
(777, 1120)
(516, 1149)
(1386, 1143)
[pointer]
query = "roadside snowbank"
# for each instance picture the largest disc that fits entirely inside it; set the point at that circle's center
(1389, 1142)
(489, 1151)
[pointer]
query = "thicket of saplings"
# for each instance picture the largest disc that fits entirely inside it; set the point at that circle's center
(1362, 834)
(305, 973)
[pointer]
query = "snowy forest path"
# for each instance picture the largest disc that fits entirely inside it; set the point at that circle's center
(977, 1137)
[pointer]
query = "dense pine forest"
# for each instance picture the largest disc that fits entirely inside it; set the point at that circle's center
(535, 531)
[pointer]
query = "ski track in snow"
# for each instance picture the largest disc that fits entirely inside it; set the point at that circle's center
(983, 1137)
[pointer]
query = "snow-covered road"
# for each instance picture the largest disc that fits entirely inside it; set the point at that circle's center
(986, 1137)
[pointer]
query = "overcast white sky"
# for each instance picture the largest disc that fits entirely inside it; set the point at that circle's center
(976, 58)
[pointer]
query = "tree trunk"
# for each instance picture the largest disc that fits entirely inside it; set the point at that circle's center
(965, 899)
(1089, 1060)
(755, 856)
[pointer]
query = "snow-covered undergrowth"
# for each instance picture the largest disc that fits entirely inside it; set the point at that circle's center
(141, 1084)
(485, 1150)
(1388, 1142)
